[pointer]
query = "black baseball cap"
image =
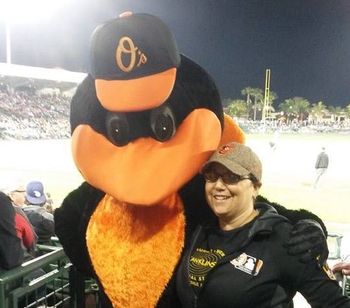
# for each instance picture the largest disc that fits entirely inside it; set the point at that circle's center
(134, 60)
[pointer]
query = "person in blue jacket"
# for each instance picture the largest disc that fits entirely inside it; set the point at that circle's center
(239, 260)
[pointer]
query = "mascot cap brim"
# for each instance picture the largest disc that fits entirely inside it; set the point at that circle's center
(134, 61)
(136, 94)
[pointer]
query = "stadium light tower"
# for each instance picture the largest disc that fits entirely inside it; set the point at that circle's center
(8, 43)
(267, 104)
(23, 11)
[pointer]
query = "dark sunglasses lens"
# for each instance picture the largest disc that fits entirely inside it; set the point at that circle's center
(211, 176)
(227, 178)
(230, 178)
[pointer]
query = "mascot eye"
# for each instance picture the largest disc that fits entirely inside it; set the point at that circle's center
(163, 123)
(118, 130)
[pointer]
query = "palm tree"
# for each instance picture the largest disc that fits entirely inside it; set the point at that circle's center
(287, 107)
(247, 91)
(336, 112)
(347, 110)
(237, 108)
(302, 107)
(272, 97)
(347, 113)
(318, 110)
(257, 95)
(296, 107)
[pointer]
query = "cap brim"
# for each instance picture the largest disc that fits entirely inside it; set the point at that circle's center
(36, 201)
(230, 165)
(136, 94)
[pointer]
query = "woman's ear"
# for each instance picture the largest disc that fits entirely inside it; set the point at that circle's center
(257, 186)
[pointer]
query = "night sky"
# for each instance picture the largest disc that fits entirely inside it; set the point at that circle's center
(305, 43)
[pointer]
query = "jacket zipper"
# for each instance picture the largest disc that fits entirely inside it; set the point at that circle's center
(195, 237)
(224, 260)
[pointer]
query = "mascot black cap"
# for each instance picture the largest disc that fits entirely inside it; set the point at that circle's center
(134, 60)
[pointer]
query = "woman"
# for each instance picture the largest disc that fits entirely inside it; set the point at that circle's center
(240, 261)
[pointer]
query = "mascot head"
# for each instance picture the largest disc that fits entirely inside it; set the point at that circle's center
(146, 118)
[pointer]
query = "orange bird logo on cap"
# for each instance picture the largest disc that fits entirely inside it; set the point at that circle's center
(225, 149)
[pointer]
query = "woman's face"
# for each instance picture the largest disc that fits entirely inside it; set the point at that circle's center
(229, 201)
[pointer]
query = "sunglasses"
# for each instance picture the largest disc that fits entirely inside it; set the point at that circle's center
(20, 191)
(228, 177)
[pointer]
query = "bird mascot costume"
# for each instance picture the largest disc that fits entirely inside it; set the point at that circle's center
(143, 122)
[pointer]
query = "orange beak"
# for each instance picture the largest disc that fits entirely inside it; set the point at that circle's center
(146, 171)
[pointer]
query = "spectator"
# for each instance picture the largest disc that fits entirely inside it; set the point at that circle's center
(28, 115)
(41, 220)
(18, 195)
(274, 142)
(25, 232)
(239, 259)
(321, 165)
(11, 252)
(24, 228)
(49, 206)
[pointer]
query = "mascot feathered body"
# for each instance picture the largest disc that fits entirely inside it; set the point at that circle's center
(143, 122)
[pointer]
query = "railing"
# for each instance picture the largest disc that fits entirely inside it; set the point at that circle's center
(334, 242)
(41, 282)
(49, 280)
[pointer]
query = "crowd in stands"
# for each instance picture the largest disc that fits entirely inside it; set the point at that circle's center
(24, 222)
(27, 115)
(294, 127)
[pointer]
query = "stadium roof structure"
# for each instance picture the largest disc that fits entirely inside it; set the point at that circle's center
(23, 76)
(40, 73)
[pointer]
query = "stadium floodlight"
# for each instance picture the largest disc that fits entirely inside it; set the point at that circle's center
(23, 11)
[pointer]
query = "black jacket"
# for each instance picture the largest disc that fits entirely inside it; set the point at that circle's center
(11, 252)
(271, 280)
(72, 218)
(42, 221)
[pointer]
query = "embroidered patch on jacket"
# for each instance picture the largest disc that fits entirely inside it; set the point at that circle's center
(247, 264)
(201, 262)
(328, 271)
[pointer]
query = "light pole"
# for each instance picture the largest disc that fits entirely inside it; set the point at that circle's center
(20, 11)
(8, 43)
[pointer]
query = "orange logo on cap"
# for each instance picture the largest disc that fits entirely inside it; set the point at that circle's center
(225, 149)
(127, 47)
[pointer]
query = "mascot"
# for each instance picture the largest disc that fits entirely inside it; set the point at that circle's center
(143, 122)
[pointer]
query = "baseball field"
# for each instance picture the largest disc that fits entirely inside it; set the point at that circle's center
(288, 174)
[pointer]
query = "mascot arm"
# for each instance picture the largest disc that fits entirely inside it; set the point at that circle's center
(308, 237)
(71, 221)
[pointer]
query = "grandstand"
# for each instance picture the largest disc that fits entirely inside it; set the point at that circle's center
(34, 102)
(17, 76)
